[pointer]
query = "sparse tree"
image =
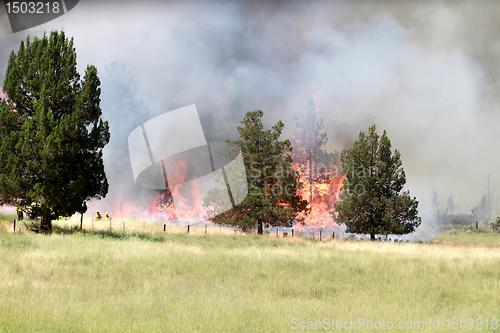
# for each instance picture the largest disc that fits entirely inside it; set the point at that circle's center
(489, 196)
(374, 202)
(313, 162)
(435, 203)
(483, 210)
(51, 131)
(451, 206)
(316, 167)
(438, 210)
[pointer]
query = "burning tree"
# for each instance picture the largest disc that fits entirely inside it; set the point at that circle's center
(374, 203)
(51, 131)
(272, 182)
(316, 167)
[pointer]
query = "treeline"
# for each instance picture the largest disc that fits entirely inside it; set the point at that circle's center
(450, 213)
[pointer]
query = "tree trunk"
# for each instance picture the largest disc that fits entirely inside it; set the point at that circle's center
(46, 225)
(372, 237)
(310, 163)
(259, 226)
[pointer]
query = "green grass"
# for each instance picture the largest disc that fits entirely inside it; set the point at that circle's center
(105, 281)
(472, 239)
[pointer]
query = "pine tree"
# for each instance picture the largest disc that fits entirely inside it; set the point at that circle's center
(374, 203)
(51, 133)
(439, 212)
(483, 210)
(312, 161)
(451, 206)
(272, 182)
(316, 167)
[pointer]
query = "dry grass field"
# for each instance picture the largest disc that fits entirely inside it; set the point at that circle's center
(147, 280)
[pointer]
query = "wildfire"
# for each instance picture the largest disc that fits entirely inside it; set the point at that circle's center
(321, 197)
(317, 169)
(182, 200)
(160, 207)
(322, 183)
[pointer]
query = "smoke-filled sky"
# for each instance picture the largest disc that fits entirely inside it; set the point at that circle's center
(428, 73)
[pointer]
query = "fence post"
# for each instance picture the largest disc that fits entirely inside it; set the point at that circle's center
(205, 228)
(333, 234)
(81, 221)
(14, 225)
(164, 227)
(124, 226)
(320, 234)
(188, 228)
(277, 232)
(292, 232)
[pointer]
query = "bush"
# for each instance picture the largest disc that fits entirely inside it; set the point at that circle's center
(495, 225)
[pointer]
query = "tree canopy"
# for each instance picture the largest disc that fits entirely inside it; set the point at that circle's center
(273, 184)
(374, 201)
(51, 131)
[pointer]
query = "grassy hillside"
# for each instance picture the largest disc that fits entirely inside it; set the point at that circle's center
(143, 282)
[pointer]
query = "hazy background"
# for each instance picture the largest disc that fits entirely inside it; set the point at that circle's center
(428, 73)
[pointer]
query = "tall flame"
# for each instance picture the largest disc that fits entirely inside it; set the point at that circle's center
(317, 169)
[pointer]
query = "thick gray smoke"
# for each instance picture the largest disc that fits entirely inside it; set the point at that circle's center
(427, 73)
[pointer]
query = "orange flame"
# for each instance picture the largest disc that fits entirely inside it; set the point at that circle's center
(322, 183)
(324, 196)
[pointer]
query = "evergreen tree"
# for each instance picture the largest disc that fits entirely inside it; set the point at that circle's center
(483, 210)
(451, 206)
(312, 161)
(316, 167)
(272, 182)
(435, 203)
(488, 195)
(374, 203)
(51, 131)
(439, 212)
